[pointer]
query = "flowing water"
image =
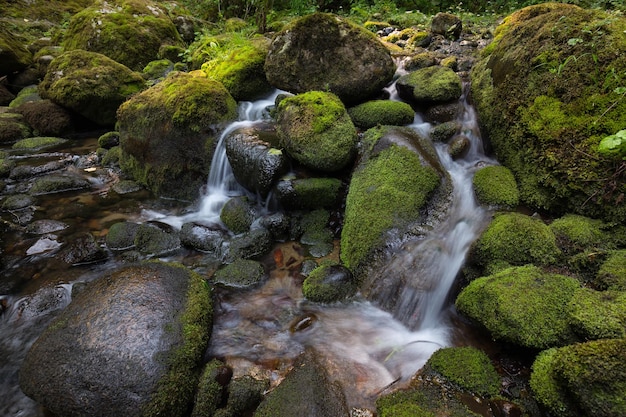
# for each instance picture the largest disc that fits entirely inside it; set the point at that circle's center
(367, 346)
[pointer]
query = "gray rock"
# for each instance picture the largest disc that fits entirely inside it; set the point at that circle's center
(202, 237)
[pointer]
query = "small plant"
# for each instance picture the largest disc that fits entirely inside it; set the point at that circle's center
(614, 146)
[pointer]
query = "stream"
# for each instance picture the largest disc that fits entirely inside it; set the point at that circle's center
(368, 347)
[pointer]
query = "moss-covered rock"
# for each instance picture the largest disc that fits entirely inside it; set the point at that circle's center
(430, 85)
(546, 95)
(127, 31)
(17, 202)
(598, 314)
(46, 118)
(612, 273)
(495, 186)
(211, 388)
(468, 368)
(121, 235)
(308, 193)
(6, 165)
(157, 70)
(38, 143)
(582, 379)
(328, 53)
(155, 239)
(329, 283)
(58, 183)
(240, 67)
(109, 140)
(516, 239)
(27, 94)
(243, 273)
(443, 132)
(315, 129)
(388, 190)
(167, 133)
(381, 112)
(576, 233)
(13, 127)
(90, 84)
(541, 321)
(238, 214)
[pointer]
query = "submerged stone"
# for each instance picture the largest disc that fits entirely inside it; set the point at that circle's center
(243, 273)
(327, 284)
(58, 183)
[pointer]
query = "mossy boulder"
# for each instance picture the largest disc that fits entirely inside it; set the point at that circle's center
(429, 86)
(109, 140)
(17, 202)
(329, 283)
(130, 343)
(306, 391)
(14, 56)
(127, 31)
(242, 273)
(238, 214)
(308, 193)
(516, 239)
(468, 368)
(315, 129)
(240, 67)
(394, 181)
(540, 322)
(167, 133)
(546, 96)
(90, 84)
(582, 379)
(46, 118)
(156, 239)
(576, 233)
(328, 53)
(13, 127)
(211, 388)
(598, 314)
(121, 235)
(27, 94)
(57, 183)
(157, 70)
(381, 112)
(495, 186)
(612, 273)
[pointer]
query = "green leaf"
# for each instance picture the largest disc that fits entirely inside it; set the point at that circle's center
(574, 41)
(614, 145)
(620, 90)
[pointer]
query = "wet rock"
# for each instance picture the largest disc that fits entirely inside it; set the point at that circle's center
(202, 237)
(244, 395)
(443, 113)
(157, 70)
(38, 143)
(27, 171)
(238, 214)
(42, 227)
(156, 239)
(126, 187)
(255, 163)
(315, 129)
(430, 86)
(109, 140)
(58, 183)
(128, 32)
(90, 84)
(6, 165)
(168, 136)
(129, 344)
(186, 27)
(5, 95)
(81, 249)
(277, 224)
(211, 388)
(421, 60)
(458, 146)
(308, 193)
(121, 236)
(29, 93)
(381, 112)
(17, 202)
(250, 244)
(13, 55)
(446, 24)
(443, 132)
(46, 118)
(307, 390)
(327, 284)
(327, 53)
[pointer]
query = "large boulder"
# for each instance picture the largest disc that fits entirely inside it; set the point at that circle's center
(90, 84)
(127, 31)
(325, 52)
(315, 129)
(129, 344)
(167, 133)
(546, 95)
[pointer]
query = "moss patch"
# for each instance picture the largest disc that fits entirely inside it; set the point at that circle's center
(381, 112)
(496, 186)
(612, 273)
(598, 314)
(38, 143)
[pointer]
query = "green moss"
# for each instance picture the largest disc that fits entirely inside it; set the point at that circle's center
(38, 143)
(405, 410)
(315, 129)
(598, 315)
(517, 239)
(308, 193)
(545, 385)
(388, 191)
(157, 69)
(210, 391)
(241, 273)
(176, 389)
(467, 367)
(576, 233)
(121, 235)
(381, 112)
(547, 91)
(328, 283)
(237, 214)
(425, 399)
(6, 165)
(496, 186)
(58, 183)
(541, 321)
(26, 94)
(430, 85)
(112, 157)
(612, 273)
